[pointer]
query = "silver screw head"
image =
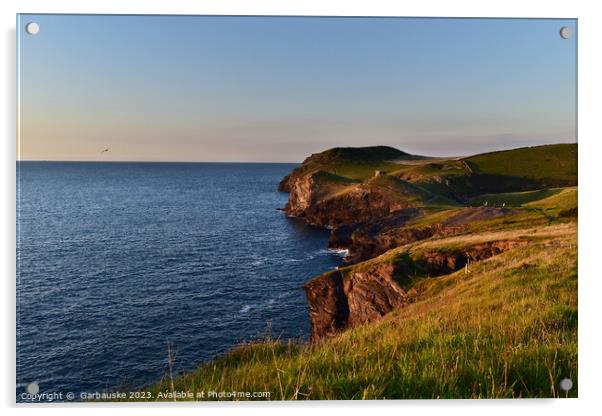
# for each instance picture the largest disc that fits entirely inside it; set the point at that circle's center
(565, 32)
(32, 28)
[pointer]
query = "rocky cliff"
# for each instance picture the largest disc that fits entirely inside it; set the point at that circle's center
(309, 190)
(332, 201)
(374, 207)
(338, 299)
(365, 292)
(365, 240)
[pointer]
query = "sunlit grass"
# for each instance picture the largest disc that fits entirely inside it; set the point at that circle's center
(549, 163)
(515, 199)
(506, 329)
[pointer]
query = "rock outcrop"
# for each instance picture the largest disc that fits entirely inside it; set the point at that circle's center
(330, 160)
(338, 300)
(365, 240)
(307, 191)
(374, 205)
(331, 201)
(365, 292)
(369, 239)
(358, 203)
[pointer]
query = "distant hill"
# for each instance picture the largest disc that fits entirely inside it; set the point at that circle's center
(524, 169)
(552, 163)
(517, 170)
(356, 163)
(373, 154)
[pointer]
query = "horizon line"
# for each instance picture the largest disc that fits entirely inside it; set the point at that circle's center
(286, 162)
(150, 161)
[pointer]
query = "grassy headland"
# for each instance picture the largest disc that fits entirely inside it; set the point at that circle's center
(481, 254)
(506, 329)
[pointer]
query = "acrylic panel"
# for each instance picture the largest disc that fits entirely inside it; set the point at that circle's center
(292, 208)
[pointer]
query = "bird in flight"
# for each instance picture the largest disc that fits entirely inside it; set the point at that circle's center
(105, 150)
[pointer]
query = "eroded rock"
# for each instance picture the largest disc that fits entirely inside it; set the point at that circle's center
(365, 292)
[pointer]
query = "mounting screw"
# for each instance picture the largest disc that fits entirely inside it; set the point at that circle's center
(565, 32)
(32, 28)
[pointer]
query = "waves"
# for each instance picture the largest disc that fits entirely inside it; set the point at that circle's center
(104, 285)
(282, 258)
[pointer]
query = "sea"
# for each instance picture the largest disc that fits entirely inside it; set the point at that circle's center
(119, 262)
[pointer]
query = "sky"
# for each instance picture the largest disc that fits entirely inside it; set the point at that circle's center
(276, 89)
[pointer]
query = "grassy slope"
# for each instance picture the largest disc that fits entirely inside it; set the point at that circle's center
(360, 171)
(393, 186)
(440, 168)
(514, 199)
(554, 162)
(416, 194)
(513, 170)
(521, 169)
(563, 200)
(507, 329)
(355, 163)
(545, 211)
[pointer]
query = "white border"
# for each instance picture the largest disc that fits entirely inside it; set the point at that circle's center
(590, 152)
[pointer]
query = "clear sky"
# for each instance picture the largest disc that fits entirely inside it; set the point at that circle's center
(201, 88)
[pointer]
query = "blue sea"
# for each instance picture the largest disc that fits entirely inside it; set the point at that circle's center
(116, 261)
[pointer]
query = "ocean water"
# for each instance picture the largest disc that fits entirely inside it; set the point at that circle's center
(116, 261)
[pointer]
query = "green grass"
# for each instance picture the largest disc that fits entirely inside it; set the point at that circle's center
(361, 170)
(354, 163)
(565, 199)
(330, 177)
(433, 215)
(507, 329)
(371, 154)
(414, 192)
(515, 199)
(397, 189)
(548, 163)
(510, 171)
(559, 207)
(429, 169)
(518, 220)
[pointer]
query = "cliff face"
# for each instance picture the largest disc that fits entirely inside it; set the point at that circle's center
(372, 214)
(329, 160)
(372, 238)
(284, 185)
(322, 198)
(331, 201)
(359, 204)
(337, 301)
(306, 191)
(365, 292)
(365, 243)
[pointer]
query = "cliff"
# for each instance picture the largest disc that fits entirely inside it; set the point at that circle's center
(338, 300)
(369, 239)
(352, 204)
(444, 328)
(362, 293)
(507, 329)
(380, 203)
(352, 162)
(332, 201)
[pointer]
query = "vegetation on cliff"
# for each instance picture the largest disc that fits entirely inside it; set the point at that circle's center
(506, 329)
(349, 162)
(461, 281)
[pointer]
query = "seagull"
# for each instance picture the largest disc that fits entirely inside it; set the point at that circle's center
(105, 150)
